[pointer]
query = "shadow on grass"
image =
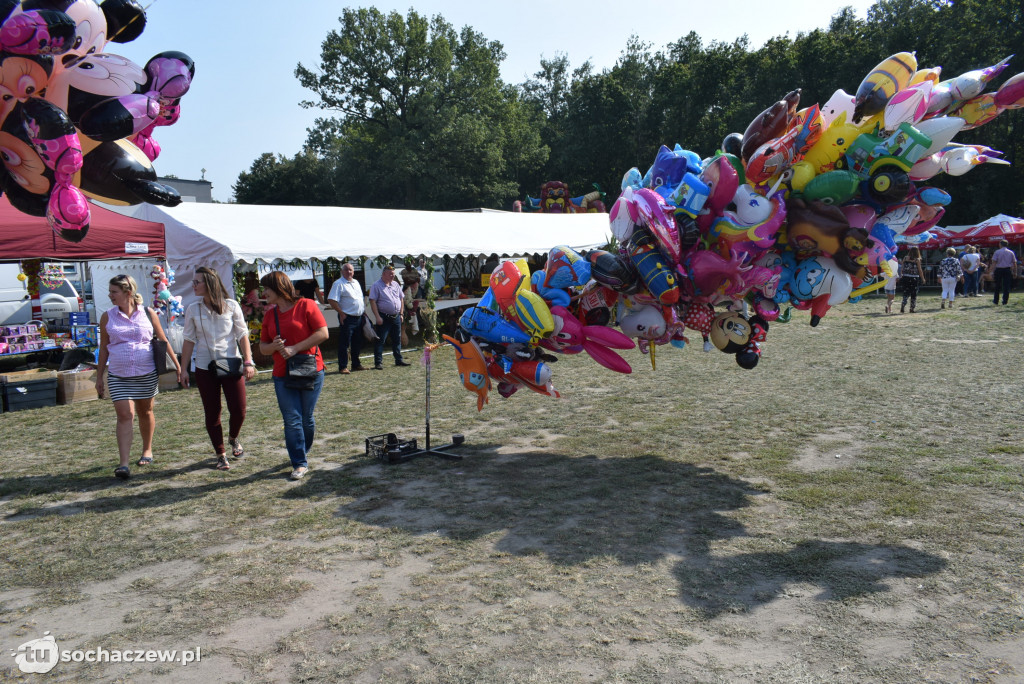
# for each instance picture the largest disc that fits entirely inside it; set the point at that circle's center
(635, 510)
(130, 498)
(91, 480)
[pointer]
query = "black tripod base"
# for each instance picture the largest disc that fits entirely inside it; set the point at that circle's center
(438, 451)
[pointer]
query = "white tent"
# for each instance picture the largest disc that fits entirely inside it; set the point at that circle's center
(220, 235)
(200, 233)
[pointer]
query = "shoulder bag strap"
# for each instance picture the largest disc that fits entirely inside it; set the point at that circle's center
(151, 315)
(209, 346)
(312, 351)
(277, 323)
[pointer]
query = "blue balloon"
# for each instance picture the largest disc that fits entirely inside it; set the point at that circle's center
(491, 327)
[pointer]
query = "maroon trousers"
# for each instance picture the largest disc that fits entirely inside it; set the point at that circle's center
(210, 387)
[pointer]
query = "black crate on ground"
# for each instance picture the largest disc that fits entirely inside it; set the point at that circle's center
(27, 394)
(389, 448)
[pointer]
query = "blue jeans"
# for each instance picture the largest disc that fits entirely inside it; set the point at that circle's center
(971, 283)
(1003, 281)
(299, 425)
(392, 327)
(350, 339)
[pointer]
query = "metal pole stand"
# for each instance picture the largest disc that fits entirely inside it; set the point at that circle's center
(438, 451)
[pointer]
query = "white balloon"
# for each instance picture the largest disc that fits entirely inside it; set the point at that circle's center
(926, 168)
(941, 130)
(751, 208)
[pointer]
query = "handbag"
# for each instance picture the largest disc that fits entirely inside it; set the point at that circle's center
(159, 349)
(301, 370)
(369, 332)
(227, 367)
(159, 355)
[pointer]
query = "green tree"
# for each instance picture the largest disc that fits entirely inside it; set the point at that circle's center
(300, 180)
(423, 120)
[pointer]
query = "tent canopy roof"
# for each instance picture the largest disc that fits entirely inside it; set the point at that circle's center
(988, 232)
(110, 236)
(204, 233)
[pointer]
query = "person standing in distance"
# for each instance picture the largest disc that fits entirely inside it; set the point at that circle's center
(971, 262)
(1004, 263)
(346, 298)
(388, 305)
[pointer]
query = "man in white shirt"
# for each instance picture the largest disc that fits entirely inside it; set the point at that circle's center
(969, 262)
(346, 297)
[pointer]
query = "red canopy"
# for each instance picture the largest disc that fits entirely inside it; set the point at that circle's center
(940, 240)
(990, 232)
(111, 236)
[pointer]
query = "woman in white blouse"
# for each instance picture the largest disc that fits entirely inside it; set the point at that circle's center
(215, 330)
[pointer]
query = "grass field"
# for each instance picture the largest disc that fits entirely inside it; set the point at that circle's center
(849, 511)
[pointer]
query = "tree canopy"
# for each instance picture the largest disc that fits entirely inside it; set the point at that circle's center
(418, 117)
(421, 118)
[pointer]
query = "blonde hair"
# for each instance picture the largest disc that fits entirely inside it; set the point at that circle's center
(950, 251)
(128, 284)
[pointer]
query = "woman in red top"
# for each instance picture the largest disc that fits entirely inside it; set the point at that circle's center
(303, 328)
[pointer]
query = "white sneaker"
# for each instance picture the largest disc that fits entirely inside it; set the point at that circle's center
(298, 473)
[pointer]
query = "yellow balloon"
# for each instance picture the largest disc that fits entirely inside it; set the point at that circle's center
(524, 268)
(921, 75)
(803, 173)
(534, 315)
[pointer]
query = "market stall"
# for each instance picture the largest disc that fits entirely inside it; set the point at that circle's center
(29, 240)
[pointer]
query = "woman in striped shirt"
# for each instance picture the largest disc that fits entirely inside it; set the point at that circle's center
(126, 353)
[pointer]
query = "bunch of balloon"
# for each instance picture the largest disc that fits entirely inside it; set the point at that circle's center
(525, 321)
(802, 211)
(76, 121)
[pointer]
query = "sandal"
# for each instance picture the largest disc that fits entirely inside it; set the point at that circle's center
(236, 448)
(122, 472)
(145, 460)
(222, 462)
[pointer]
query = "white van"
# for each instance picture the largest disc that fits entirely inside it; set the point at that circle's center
(16, 306)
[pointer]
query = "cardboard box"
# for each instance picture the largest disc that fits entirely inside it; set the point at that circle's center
(86, 335)
(27, 375)
(76, 386)
(168, 381)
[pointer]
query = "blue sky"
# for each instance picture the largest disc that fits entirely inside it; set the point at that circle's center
(244, 99)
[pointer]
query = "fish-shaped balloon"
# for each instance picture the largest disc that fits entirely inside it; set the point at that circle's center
(472, 369)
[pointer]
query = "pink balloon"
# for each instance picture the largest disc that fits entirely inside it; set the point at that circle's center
(1011, 94)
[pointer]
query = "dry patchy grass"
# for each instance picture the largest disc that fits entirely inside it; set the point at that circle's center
(848, 511)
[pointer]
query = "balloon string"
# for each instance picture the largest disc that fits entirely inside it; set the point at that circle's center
(132, 20)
